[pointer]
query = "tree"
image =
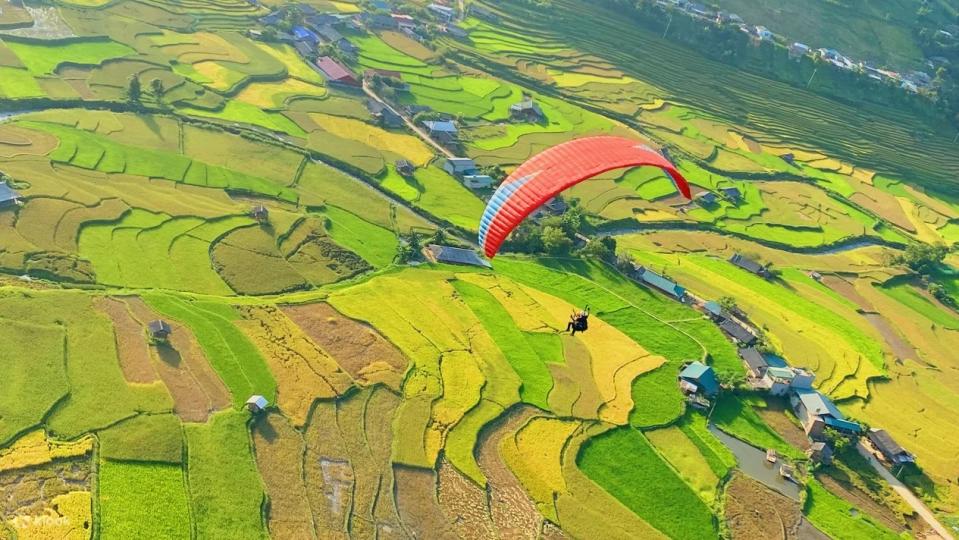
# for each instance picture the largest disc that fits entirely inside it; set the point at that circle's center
(133, 89)
(839, 442)
(157, 89)
(728, 303)
(923, 258)
(555, 241)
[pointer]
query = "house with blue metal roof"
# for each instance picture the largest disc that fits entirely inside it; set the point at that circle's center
(698, 378)
(816, 413)
(662, 283)
(8, 197)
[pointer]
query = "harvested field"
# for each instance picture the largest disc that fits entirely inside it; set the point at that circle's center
(303, 372)
(132, 345)
(513, 512)
(196, 389)
(278, 449)
(465, 503)
(862, 501)
(755, 511)
(416, 502)
(31, 490)
(359, 349)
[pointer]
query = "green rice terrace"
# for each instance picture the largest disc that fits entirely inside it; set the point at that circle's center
(241, 295)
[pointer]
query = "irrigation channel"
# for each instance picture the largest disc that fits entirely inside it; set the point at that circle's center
(753, 463)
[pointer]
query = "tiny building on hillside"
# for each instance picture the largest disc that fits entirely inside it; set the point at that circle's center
(455, 255)
(714, 310)
(260, 213)
(889, 448)
(750, 265)
(256, 404)
(732, 194)
(820, 452)
(698, 378)
(661, 283)
(8, 197)
(738, 332)
(756, 364)
(707, 198)
(159, 330)
(404, 167)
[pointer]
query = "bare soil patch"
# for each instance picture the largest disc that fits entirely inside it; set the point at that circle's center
(196, 389)
(513, 513)
(755, 511)
(132, 347)
(361, 351)
(417, 504)
(465, 503)
(279, 448)
(303, 372)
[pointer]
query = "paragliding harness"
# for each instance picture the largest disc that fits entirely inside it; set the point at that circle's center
(578, 322)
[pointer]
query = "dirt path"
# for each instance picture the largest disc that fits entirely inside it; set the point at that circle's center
(906, 494)
(409, 123)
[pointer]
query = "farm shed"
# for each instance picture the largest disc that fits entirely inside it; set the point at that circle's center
(404, 167)
(260, 213)
(454, 255)
(750, 265)
(732, 194)
(159, 330)
(738, 332)
(820, 452)
(527, 110)
(707, 198)
(889, 448)
(756, 363)
(662, 284)
(477, 181)
(459, 166)
(8, 197)
(336, 72)
(700, 378)
(256, 404)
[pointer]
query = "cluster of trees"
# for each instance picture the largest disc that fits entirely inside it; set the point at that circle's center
(135, 89)
(561, 235)
(926, 260)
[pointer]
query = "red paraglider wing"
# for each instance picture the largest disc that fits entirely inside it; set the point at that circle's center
(557, 169)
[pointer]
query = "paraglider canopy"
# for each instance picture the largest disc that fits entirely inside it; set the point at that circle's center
(557, 169)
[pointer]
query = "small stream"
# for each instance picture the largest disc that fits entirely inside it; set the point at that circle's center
(752, 462)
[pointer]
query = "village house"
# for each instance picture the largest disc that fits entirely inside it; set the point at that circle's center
(260, 213)
(526, 110)
(454, 255)
(335, 72)
(763, 33)
(819, 452)
(328, 34)
(779, 381)
(442, 131)
(8, 197)
(305, 35)
(738, 332)
(404, 167)
(750, 265)
(403, 21)
(798, 50)
(459, 166)
(383, 114)
(732, 194)
(706, 198)
(442, 13)
(256, 404)
(816, 413)
(158, 330)
(714, 310)
(477, 181)
(379, 21)
(698, 378)
(889, 448)
(661, 283)
(755, 362)
(457, 31)
(316, 22)
(483, 14)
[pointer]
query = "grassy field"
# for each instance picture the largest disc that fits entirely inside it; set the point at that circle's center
(736, 417)
(624, 463)
(137, 499)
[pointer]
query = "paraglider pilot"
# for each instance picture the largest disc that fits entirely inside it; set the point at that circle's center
(578, 321)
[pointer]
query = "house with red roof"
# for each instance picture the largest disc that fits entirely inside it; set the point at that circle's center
(336, 72)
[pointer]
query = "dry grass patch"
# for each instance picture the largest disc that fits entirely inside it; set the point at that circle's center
(132, 345)
(278, 449)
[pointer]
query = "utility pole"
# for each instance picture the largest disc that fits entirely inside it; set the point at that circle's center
(812, 77)
(668, 24)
